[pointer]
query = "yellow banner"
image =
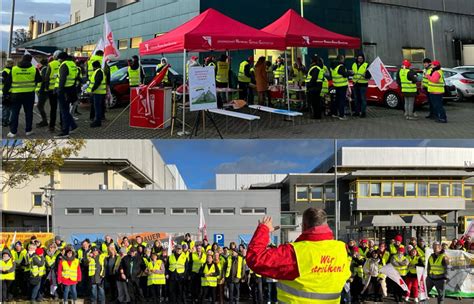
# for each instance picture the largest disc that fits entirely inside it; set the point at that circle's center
(7, 237)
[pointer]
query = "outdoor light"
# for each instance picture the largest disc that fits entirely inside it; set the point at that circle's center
(434, 18)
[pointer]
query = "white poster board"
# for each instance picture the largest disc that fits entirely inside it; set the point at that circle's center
(202, 88)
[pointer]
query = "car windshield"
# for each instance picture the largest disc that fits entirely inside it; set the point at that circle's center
(119, 74)
(469, 75)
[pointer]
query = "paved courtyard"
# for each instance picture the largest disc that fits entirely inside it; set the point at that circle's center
(380, 122)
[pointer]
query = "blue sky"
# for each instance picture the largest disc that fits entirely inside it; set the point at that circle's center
(199, 160)
(45, 10)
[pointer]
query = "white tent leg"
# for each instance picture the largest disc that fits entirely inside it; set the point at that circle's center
(286, 79)
(183, 132)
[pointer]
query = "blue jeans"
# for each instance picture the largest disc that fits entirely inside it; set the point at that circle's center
(72, 290)
(27, 101)
(98, 107)
(64, 109)
(6, 115)
(35, 291)
(341, 100)
(360, 99)
(438, 107)
(100, 298)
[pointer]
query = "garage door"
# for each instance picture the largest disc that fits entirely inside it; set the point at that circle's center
(468, 54)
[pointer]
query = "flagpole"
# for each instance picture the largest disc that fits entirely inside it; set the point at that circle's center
(12, 20)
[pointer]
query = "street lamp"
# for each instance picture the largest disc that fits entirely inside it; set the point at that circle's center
(48, 202)
(433, 18)
(351, 195)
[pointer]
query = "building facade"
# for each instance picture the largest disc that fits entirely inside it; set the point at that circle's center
(233, 214)
(37, 27)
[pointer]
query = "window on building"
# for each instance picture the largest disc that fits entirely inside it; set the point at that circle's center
(414, 54)
(316, 193)
(332, 53)
(123, 44)
(434, 189)
(113, 211)
(221, 211)
(329, 193)
(398, 189)
(135, 42)
(410, 189)
(375, 189)
(468, 193)
(184, 211)
(350, 53)
(89, 3)
(159, 34)
(445, 189)
(77, 17)
(37, 199)
(145, 211)
(79, 211)
(457, 189)
(253, 211)
(363, 189)
(387, 189)
(301, 193)
(422, 189)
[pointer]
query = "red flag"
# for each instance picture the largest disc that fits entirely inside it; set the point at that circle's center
(110, 49)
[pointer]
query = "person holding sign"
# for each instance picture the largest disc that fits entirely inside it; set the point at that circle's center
(314, 267)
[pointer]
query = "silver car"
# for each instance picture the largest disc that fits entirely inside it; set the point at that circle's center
(463, 80)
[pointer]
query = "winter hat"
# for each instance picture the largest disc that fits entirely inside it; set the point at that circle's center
(398, 238)
(39, 251)
(406, 63)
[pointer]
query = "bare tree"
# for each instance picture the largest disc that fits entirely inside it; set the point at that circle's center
(20, 36)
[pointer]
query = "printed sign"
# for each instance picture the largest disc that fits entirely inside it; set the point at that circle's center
(219, 239)
(202, 88)
(8, 238)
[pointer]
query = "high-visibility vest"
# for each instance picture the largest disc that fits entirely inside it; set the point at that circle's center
(212, 64)
(35, 270)
(134, 77)
(38, 85)
(70, 271)
(71, 76)
(222, 72)
(337, 79)
(359, 73)
(309, 77)
(144, 244)
(240, 261)
(436, 267)
(23, 80)
(413, 262)
(426, 72)
(5, 267)
(407, 85)
(101, 89)
(210, 280)
(90, 69)
(54, 75)
(439, 86)
(394, 249)
(93, 265)
(298, 75)
(421, 252)
(113, 69)
(279, 72)
(385, 257)
(323, 270)
(158, 67)
(242, 77)
(222, 261)
(19, 256)
(155, 278)
(325, 88)
(51, 259)
(359, 270)
(179, 264)
(363, 252)
(8, 71)
(207, 248)
(402, 270)
(197, 261)
(190, 245)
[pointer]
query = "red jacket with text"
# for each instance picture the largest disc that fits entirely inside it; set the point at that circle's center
(280, 263)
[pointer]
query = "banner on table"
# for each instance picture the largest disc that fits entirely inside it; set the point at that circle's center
(24, 237)
(202, 88)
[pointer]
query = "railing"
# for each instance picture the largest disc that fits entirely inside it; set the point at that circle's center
(25, 229)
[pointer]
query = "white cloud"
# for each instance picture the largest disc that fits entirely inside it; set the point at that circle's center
(6, 27)
(254, 164)
(52, 1)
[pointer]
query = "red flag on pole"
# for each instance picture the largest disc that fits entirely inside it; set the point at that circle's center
(110, 49)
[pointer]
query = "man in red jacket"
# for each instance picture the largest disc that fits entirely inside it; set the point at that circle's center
(313, 269)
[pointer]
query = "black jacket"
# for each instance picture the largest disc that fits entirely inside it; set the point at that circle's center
(314, 84)
(132, 266)
(99, 76)
(8, 80)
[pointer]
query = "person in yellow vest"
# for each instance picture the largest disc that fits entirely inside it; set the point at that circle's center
(98, 89)
(159, 67)
(50, 257)
(197, 259)
(37, 266)
(407, 79)
(187, 240)
(135, 73)
(400, 263)
(340, 78)
(436, 90)
(177, 271)
(395, 244)
(96, 275)
(21, 83)
(7, 274)
(427, 71)
(60, 244)
(106, 243)
(437, 271)
(220, 261)
(222, 77)
(83, 257)
(244, 78)
(384, 254)
(364, 248)
(52, 75)
(357, 274)
(314, 83)
(234, 275)
(42, 92)
(19, 257)
(206, 246)
(411, 279)
(361, 81)
(6, 98)
(279, 70)
(209, 273)
(69, 274)
(140, 241)
(155, 271)
(313, 269)
(374, 278)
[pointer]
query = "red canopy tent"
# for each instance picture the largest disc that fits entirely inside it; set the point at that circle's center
(299, 32)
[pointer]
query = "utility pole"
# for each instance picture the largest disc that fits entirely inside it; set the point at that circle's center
(336, 201)
(12, 20)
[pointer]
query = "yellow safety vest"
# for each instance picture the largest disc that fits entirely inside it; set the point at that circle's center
(71, 76)
(113, 69)
(242, 77)
(8, 71)
(222, 72)
(179, 264)
(363, 252)
(359, 73)
(407, 85)
(104, 247)
(5, 267)
(159, 66)
(309, 77)
(53, 76)
(19, 256)
(240, 261)
(413, 262)
(50, 260)
(36, 271)
(421, 252)
(101, 89)
(439, 86)
(23, 80)
(337, 79)
(325, 89)
(359, 270)
(93, 265)
(385, 257)
(134, 77)
(425, 78)
(70, 272)
(191, 244)
(90, 69)
(155, 278)
(402, 270)
(394, 250)
(197, 262)
(436, 267)
(324, 269)
(210, 280)
(279, 71)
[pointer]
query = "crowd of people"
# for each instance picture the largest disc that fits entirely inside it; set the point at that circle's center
(133, 271)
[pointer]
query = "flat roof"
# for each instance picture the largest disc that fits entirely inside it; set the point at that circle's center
(409, 173)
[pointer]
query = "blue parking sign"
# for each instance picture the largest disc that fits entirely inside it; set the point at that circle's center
(219, 239)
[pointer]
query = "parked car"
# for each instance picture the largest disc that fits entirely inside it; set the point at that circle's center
(463, 80)
(464, 67)
(120, 89)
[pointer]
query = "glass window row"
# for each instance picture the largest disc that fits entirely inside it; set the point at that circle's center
(410, 189)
